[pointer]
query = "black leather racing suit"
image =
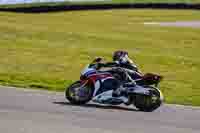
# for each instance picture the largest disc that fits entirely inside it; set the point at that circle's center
(125, 70)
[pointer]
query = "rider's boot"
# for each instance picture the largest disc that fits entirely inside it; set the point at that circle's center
(121, 91)
(117, 92)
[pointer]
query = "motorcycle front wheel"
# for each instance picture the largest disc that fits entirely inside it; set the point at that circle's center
(149, 103)
(78, 93)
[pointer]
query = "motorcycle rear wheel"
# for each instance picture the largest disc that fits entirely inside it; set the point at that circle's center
(76, 94)
(149, 103)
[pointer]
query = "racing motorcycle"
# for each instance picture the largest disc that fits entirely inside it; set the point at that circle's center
(97, 86)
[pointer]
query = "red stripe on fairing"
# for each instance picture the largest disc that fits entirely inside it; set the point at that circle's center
(94, 77)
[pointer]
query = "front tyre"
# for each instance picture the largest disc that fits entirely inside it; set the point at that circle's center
(78, 93)
(149, 103)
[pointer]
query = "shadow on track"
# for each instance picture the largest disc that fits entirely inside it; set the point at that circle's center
(92, 105)
(59, 8)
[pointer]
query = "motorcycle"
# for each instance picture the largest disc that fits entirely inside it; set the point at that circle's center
(97, 86)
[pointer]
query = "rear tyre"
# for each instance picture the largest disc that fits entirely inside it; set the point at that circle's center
(78, 94)
(149, 103)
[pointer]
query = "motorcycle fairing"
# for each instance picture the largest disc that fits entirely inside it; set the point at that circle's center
(103, 92)
(106, 98)
(87, 71)
(139, 90)
(102, 85)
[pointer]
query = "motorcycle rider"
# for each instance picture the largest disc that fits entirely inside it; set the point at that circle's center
(122, 64)
(122, 60)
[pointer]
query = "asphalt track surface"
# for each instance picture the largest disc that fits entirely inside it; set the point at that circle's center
(35, 111)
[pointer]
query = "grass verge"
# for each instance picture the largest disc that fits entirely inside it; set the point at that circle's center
(48, 50)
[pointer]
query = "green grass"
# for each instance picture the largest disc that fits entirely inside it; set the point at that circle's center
(49, 50)
(36, 4)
